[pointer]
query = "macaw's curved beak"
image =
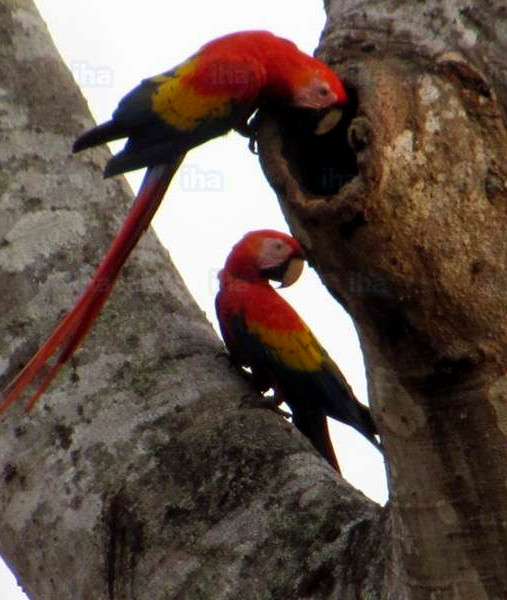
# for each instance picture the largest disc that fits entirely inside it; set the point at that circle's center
(329, 121)
(293, 271)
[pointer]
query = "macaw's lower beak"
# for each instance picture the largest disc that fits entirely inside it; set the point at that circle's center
(329, 121)
(292, 272)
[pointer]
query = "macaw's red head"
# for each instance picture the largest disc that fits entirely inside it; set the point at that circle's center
(254, 66)
(301, 80)
(318, 87)
(263, 255)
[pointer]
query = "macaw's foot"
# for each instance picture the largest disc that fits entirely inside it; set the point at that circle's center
(268, 402)
(249, 129)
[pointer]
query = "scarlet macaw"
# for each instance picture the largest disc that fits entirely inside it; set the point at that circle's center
(263, 332)
(215, 90)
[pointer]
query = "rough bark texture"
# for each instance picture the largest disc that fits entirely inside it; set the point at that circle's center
(407, 224)
(140, 474)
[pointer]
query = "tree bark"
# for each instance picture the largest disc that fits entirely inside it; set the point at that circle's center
(403, 211)
(141, 473)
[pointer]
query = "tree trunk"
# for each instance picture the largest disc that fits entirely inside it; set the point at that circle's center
(142, 473)
(407, 225)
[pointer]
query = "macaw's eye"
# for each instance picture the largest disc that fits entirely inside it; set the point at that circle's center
(323, 90)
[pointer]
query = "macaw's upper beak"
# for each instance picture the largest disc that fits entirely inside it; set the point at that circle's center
(293, 271)
(329, 121)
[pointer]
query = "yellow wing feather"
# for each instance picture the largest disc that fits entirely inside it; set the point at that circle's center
(182, 107)
(296, 349)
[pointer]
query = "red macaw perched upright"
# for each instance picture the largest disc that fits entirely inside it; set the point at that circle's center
(215, 90)
(263, 332)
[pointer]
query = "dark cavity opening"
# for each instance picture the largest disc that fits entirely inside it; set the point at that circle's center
(322, 164)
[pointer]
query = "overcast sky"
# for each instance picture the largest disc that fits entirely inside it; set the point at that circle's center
(220, 192)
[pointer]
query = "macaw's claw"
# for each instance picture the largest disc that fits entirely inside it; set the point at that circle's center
(251, 400)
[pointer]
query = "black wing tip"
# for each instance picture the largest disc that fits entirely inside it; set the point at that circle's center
(101, 134)
(372, 438)
(79, 144)
(122, 163)
(111, 170)
(107, 132)
(130, 159)
(368, 427)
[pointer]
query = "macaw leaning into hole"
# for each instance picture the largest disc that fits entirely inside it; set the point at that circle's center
(215, 90)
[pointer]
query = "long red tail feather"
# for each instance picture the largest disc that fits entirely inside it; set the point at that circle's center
(74, 326)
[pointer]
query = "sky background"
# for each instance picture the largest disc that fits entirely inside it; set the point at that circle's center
(220, 192)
